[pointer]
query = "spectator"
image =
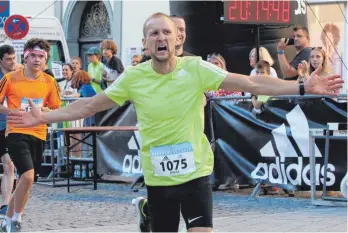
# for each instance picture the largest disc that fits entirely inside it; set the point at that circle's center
(219, 61)
(82, 82)
(112, 65)
(46, 69)
(136, 59)
(95, 68)
(146, 54)
(317, 57)
(262, 68)
(231, 180)
(330, 37)
(76, 63)
(67, 75)
(181, 24)
(301, 42)
(264, 55)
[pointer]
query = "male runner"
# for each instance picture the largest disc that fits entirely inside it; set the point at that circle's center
(25, 144)
(8, 64)
(176, 155)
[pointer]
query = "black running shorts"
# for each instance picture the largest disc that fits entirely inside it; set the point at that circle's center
(194, 198)
(25, 152)
(2, 143)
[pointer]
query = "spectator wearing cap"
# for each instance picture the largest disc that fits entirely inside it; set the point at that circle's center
(95, 68)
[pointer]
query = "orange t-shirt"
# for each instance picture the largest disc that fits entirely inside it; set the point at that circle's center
(17, 89)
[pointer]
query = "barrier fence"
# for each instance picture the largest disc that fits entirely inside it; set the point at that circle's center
(55, 149)
(240, 140)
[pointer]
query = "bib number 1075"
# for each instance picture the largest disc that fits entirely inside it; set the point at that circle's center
(173, 165)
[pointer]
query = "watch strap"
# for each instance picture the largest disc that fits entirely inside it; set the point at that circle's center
(301, 87)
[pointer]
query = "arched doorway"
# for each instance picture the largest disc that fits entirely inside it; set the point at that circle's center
(86, 24)
(95, 27)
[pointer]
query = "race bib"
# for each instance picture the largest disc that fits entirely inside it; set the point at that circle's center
(173, 160)
(25, 103)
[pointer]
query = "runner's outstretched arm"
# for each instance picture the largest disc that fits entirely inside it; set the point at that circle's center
(265, 85)
(77, 110)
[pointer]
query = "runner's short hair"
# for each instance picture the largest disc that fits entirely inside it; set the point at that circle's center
(155, 15)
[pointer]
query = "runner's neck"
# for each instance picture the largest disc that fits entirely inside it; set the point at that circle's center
(31, 74)
(164, 67)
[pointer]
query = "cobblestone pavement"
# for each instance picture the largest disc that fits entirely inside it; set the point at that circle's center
(109, 209)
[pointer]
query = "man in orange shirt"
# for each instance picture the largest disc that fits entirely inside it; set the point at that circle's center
(26, 145)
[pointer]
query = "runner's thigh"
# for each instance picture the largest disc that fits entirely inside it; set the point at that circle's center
(164, 210)
(197, 204)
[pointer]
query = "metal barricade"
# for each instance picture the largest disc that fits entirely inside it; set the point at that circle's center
(337, 131)
(55, 151)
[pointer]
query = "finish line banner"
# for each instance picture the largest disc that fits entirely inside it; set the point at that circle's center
(272, 145)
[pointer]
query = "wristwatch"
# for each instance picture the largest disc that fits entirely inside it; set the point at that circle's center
(93, 80)
(280, 52)
(301, 87)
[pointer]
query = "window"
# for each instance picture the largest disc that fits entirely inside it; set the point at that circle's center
(56, 53)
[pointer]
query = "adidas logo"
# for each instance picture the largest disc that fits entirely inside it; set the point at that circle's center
(165, 158)
(182, 72)
(132, 163)
(281, 172)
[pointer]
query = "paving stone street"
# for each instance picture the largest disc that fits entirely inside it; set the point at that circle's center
(109, 209)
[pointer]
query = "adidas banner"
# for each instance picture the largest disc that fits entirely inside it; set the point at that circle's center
(274, 145)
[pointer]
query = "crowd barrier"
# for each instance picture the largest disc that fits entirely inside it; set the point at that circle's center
(55, 151)
(213, 138)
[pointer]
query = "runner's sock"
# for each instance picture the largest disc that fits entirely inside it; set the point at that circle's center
(17, 217)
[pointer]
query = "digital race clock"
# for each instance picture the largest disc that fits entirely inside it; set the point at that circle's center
(264, 12)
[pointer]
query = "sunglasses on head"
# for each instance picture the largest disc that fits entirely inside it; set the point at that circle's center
(213, 55)
(319, 47)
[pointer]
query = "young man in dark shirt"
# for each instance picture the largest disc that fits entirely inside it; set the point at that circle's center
(112, 65)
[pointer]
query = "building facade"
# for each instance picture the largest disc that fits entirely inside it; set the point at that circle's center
(87, 23)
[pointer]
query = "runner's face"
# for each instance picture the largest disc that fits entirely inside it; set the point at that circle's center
(8, 62)
(161, 37)
(35, 62)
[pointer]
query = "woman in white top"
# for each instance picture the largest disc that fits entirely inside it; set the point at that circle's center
(67, 75)
(264, 55)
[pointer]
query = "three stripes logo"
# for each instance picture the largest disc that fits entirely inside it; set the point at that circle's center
(280, 172)
(132, 163)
